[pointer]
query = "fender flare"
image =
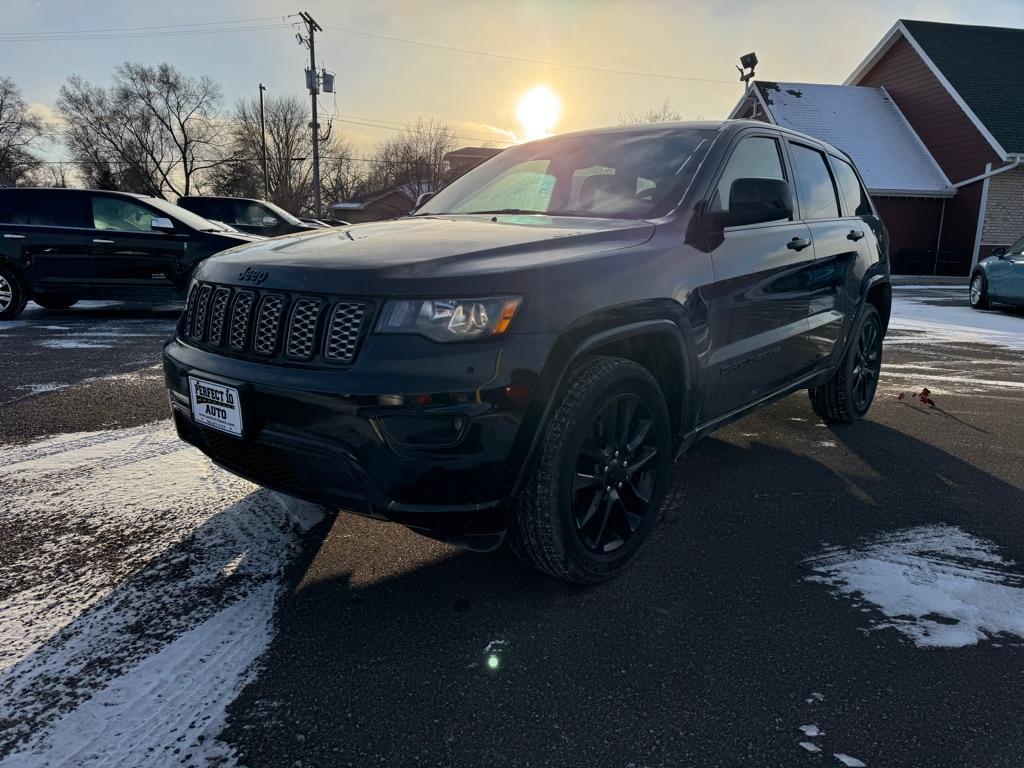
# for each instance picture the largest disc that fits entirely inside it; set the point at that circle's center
(563, 359)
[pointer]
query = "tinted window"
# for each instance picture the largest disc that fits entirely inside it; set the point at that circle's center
(813, 183)
(44, 207)
(121, 214)
(855, 199)
(633, 174)
(754, 158)
(248, 214)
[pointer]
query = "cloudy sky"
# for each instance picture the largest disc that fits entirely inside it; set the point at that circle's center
(387, 82)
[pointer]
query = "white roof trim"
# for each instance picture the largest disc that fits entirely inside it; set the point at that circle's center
(886, 43)
(912, 193)
(752, 88)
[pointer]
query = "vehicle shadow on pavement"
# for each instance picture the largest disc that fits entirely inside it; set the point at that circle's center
(705, 652)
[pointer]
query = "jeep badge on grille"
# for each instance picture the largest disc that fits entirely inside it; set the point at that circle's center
(250, 275)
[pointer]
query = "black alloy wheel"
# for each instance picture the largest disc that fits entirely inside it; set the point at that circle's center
(615, 476)
(867, 364)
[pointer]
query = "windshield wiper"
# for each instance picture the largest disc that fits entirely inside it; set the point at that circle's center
(517, 212)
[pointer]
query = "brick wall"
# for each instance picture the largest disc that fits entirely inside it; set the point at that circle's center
(1004, 213)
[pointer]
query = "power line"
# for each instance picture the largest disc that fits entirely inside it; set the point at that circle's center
(37, 38)
(148, 26)
(507, 57)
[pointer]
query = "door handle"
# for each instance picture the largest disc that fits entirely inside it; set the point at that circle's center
(101, 241)
(855, 235)
(798, 243)
(13, 237)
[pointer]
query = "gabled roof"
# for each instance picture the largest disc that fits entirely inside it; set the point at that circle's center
(979, 66)
(863, 122)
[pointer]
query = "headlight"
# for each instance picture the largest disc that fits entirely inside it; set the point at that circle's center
(449, 319)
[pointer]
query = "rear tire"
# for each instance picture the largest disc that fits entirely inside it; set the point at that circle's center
(979, 292)
(847, 396)
(55, 300)
(12, 294)
(595, 492)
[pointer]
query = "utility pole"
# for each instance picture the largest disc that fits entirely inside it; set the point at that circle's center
(263, 134)
(314, 89)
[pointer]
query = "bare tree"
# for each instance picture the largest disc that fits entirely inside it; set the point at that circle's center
(289, 156)
(21, 134)
(413, 161)
(664, 114)
(152, 131)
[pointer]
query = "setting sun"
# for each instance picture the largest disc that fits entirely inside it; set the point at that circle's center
(538, 111)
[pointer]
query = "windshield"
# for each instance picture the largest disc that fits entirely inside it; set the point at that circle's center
(186, 217)
(621, 175)
(1017, 249)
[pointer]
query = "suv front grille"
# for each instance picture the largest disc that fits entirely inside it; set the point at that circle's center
(300, 328)
(268, 324)
(343, 331)
(218, 315)
(301, 341)
(241, 312)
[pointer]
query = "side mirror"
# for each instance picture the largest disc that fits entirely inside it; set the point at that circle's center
(999, 252)
(269, 221)
(162, 224)
(755, 201)
(422, 199)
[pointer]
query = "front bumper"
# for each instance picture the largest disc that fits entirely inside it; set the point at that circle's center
(422, 434)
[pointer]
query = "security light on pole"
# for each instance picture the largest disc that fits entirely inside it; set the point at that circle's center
(747, 62)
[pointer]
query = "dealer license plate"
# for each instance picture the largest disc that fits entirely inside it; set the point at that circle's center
(217, 406)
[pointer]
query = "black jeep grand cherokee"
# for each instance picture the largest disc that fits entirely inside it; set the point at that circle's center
(523, 357)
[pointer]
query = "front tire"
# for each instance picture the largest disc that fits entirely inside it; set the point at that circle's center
(55, 301)
(848, 395)
(979, 292)
(12, 294)
(595, 493)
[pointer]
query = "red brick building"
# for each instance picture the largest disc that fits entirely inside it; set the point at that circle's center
(961, 90)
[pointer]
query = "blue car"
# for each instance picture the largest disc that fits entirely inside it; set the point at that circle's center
(999, 279)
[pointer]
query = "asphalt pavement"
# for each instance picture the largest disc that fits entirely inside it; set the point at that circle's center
(730, 642)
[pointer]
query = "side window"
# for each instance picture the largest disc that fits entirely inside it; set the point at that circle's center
(121, 215)
(248, 214)
(855, 199)
(756, 157)
(813, 183)
(44, 208)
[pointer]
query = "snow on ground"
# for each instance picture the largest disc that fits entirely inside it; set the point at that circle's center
(936, 584)
(918, 320)
(942, 343)
(849, 762)
(137, 590)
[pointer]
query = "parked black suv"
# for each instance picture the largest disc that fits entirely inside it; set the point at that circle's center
(59, 245)
(522, 358)
(257, 217)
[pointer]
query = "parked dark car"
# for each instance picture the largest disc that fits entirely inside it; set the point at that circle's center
(257, 217)
(999, 279)
(59, 245)
(522, 360)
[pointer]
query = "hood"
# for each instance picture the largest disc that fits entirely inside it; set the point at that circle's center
(391, 257)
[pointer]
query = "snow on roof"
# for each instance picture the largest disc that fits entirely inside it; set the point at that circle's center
(866, 124)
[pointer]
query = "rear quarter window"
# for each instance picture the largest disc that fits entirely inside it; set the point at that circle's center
(853, 195)
(45, 208)
(814, 183)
